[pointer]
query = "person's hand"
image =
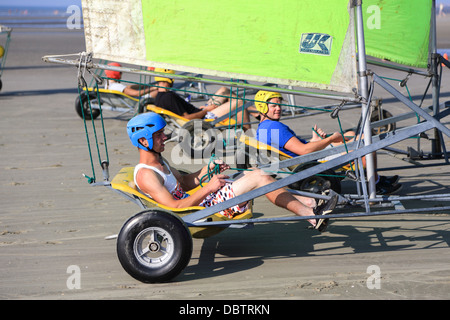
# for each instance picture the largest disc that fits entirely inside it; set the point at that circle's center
(208, 107)
(336, 137)
(217, 182)
(222, 165)
(318, 134)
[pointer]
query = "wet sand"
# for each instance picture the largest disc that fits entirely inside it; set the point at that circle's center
(52, 219)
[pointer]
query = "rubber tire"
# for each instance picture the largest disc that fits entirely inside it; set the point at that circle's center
(194, 129)
(322, 182)
(242, 157)
(386, 128)
(173, 264)
(82, 102)
(143, 104)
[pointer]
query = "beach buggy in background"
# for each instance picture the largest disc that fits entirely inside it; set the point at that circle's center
(156, 244)
(5, 33)
(92, 98)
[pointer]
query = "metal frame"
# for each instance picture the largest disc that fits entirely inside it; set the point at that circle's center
(360, 149)
(7, 31)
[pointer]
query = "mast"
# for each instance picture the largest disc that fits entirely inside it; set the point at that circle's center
(363, 91)
(436, 142)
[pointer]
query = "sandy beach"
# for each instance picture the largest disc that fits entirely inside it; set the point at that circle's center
(52, 220)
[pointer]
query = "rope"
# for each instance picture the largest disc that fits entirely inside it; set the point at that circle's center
(83, 84)
(210, 173)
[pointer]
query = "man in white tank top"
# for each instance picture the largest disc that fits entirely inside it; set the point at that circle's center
(113, 83)
(155, 177)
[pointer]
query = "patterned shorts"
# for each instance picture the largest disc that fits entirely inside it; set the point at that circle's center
(221, 195)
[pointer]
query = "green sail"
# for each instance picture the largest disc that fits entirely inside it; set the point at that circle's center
(398, 30)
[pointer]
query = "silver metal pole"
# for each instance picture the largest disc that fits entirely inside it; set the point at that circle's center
(363, 88)
(436, 142)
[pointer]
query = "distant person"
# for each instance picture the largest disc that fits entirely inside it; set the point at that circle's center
(216, 107)
(273, 132)
(130, 90)
(441, 10)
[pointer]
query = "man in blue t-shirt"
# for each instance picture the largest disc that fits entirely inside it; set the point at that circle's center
(278, 135)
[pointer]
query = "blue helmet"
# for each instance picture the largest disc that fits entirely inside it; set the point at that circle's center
(144, 126)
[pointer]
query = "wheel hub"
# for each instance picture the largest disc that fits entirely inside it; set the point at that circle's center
(154, 246)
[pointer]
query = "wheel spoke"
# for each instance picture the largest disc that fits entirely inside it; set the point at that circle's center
(144, 252)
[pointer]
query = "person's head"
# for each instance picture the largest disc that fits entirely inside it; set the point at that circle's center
(164, 82)
(146, 131)
(268, 104)
(117, 75)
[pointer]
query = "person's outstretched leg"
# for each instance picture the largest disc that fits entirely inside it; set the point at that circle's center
(301, 206)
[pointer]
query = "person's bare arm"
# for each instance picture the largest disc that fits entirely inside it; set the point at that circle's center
(198, 115)
(192, 180)
(296, 146)
(136, 92)
(151, 183)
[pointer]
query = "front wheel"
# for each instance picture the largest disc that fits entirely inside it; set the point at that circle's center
(377, 116)
(143, 103)
(154, 246)
(316, 183)
(198, 138)
(82, 106)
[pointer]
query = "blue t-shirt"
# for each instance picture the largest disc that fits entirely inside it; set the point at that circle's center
(276, 134)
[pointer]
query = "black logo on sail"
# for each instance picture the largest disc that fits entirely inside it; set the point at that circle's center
(316, 43)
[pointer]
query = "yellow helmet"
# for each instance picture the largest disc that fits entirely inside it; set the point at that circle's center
(165, 71)
(261, 99)
(2, 51)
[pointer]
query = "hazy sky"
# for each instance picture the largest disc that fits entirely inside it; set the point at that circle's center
(65, 3)
(40, 3)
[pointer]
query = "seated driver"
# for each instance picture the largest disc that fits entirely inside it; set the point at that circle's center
(131, 90)
(154, 177)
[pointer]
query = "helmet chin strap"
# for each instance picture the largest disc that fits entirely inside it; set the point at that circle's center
(266, 116)
(146, 147)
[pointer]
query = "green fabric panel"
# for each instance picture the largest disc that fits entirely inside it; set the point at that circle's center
(398, 30)
(251, 37)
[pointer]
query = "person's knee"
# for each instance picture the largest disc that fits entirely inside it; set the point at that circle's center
(262, 176)
(309, 202)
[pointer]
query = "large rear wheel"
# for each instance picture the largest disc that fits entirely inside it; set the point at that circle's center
(154, 246)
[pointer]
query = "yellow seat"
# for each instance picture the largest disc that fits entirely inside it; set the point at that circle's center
(124, 182)
(112, 92)
(252, 142)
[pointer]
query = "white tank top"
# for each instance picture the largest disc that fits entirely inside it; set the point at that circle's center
(115, 86)
(170, 182)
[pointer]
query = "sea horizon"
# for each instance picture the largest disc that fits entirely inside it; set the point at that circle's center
(35, 17)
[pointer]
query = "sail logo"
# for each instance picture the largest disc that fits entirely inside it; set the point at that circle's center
(316, 43)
